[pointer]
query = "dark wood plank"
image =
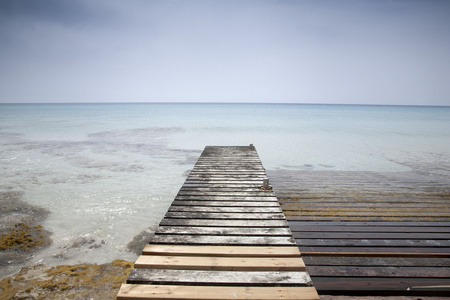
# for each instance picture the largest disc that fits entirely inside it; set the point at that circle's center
(382, 224)
(376, 251)
(237, 231)
(202, 190)
(355, 217)
(373, 243)
(229, 194)
(409, 229)
(230, 216)
(382, 286)
(385, 271)
(236, 185)
(218, 209)
(222, 240)
(223, 223)
(376, 261)
(223, 177)
(363, 213)
(225, 203)
(370, 235)
(255, 182)
(260, 198)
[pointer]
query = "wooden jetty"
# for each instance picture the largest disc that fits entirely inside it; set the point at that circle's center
(224, 237)
(369, 233)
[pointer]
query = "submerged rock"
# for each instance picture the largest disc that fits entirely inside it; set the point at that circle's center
(140, 240)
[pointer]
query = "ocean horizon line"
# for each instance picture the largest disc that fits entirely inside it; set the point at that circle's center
(222, 103)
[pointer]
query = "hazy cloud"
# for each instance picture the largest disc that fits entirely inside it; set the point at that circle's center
(387, 52)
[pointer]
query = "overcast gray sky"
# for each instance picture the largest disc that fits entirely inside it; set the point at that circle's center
(350, 51)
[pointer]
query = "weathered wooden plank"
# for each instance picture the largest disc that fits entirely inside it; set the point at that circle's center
(237, 231)
(229, 167)
(230, 194)
(355, 217)
(227, 174)
(236, 158)
(373, 243)
(226, 177)
(409, 229)
(201, 190)
(376, 261)
(236, 185)
(385, 271)
(375, 251)
(224, 278)
(222, 240)
(370, 235)
(218, 209)
(141, 291)
(224, 182)
(381, 286)
(369, 201)
(220, 263)
(225, 203)
(360, 213)
(222, 162)
(262, 198)
(223, 223)
(240, 251)
(231, 216)
(238, 172)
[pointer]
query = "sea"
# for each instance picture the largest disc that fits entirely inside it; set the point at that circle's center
(108, 172)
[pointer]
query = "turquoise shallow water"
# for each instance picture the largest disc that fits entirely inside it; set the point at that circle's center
(108, 171)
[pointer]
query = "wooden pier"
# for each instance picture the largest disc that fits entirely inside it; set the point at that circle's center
(370, 233)
(224, 237)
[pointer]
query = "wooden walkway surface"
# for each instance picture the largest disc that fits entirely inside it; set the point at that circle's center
(224, 237)
(370, 233)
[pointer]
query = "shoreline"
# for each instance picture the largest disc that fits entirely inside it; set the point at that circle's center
(83, 281)
(21, 232)
(22, 235)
